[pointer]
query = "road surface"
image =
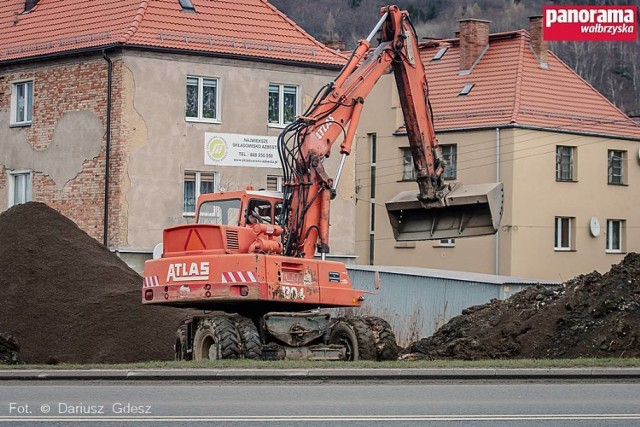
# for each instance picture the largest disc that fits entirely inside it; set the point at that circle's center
(394, 403)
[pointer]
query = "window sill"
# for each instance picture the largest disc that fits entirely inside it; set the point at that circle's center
(405, 245)
(20, 125)
(564, 250)
(277, 125)
(621, 184)
(615, 252)
(207, 121)
(444, 246)
(566, 180)
(189, 214)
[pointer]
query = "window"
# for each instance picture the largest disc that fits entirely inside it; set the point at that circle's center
(564, 163)
(408, 170)
(19, 187)
(274, 183)
(283, 103)
(615, 228)
(439, 54)
(445, 243)
(226, 212)
(195, 184)
(202, 99)
(259, 212)
(466, 89)
(564, 233)
(450, 156)
(187, 5)
(617, 160)
(21, 103)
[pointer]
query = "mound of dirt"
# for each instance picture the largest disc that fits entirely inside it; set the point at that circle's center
(592, 315)
(67, 298)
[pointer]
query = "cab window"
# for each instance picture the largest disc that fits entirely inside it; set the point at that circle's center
(259, 212)
(224, 212)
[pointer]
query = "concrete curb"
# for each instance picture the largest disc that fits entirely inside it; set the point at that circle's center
(314, 374)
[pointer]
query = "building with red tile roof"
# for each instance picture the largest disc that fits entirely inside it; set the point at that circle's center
(507, 109)
(252, 28)
(121, 97)
(511, 88)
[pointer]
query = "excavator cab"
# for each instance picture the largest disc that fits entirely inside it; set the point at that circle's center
(458, 211)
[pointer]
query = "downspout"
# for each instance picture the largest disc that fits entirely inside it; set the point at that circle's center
(497, 242)
(105, 223)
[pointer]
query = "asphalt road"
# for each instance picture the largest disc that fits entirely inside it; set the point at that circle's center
(462, 403)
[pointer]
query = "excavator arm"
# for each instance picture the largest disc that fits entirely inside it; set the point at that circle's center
(334, 114)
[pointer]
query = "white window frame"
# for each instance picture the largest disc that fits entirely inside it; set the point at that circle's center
(451, 171)
(559, 165)
(216, 186)
(29, 90)
(611, 223)
(281, 123)
(558, 228)
(12, 175)
(445, 243)
(200, 118)
(279, 181)
(617, 156)
(407, 162)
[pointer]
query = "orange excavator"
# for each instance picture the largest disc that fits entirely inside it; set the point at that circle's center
(249, 260)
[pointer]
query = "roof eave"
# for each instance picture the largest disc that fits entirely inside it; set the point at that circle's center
(94, 49)
(530, 127)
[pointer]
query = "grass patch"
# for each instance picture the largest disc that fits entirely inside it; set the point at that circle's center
(305, 364)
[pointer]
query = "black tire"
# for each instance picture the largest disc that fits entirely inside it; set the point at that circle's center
(180, 346)
(216, 338)
(384, 338)
(356, 336)
(249, 337)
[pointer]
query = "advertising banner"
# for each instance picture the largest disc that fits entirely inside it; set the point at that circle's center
(231, 149)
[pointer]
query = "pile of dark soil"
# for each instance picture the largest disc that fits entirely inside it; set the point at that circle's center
(67, 298)
(9, 350)
(592, 315)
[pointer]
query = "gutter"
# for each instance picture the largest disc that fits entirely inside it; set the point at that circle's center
(94, 49)
(105, 223)
(529, 127)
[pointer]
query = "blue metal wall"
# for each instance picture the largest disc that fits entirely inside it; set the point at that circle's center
(417, 301)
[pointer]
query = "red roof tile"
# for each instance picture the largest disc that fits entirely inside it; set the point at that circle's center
(249, 28)
(512, 89)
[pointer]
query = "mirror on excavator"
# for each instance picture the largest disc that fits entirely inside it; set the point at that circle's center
(462, 211)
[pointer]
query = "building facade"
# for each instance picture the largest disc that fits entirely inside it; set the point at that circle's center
(506, 109)
(129, 106)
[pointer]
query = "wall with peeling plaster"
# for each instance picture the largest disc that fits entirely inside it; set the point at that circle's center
(162, 145)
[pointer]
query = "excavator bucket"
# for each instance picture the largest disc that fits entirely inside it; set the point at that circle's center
(466, 211)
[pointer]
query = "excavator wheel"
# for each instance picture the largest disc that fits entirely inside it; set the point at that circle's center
(249, 337)
(384, 338)
(216, 338)
(180, 347)
(356, 336)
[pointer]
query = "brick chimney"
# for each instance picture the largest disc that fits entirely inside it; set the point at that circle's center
(474, 41)
(538, 44)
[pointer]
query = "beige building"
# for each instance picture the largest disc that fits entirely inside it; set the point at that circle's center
(505, 109)
(112, 122)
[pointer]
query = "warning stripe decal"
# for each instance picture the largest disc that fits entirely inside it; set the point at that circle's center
(238, 277)
(150, 281)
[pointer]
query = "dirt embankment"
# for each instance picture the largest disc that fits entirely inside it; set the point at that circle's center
(592, 315)
(67, 298)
